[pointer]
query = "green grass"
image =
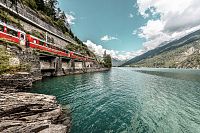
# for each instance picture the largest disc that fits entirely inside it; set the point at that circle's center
(8, 18)
(4, 61)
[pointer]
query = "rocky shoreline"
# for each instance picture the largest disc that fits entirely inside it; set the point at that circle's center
(26, 112)
(23, 112)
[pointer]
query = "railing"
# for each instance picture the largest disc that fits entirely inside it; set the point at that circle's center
(31, 15)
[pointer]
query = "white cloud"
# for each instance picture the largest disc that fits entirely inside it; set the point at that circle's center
(131, 15)
(134, 32)
(120, 55)
(70, 18)
(108, 38)
(177, 19)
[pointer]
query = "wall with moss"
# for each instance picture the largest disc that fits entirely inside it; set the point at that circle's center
(14, 59)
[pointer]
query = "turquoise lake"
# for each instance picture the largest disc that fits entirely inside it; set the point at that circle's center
(129, 100)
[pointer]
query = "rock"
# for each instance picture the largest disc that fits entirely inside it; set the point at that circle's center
(190, 51)
(13, 61)
(15, 82)
(26, 112)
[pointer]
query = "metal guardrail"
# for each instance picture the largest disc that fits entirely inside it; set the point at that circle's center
(31, 15)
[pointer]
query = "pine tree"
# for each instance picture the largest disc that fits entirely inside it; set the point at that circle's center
(107, 60)
(40, 5)
(51, 8)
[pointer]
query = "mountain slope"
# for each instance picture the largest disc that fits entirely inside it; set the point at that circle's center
(187, 56)
(116, 62)
(170, 46)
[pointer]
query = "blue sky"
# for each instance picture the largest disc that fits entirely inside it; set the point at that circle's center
(127, 28)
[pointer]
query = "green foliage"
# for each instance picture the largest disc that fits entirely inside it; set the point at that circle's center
(81, 49)
(61, 25)
(40, 5)
(4, 63)
(6, 43)
(8, 18)
(30, 3)
(38, 34)
(107, 61)
(4, 60)
(71, 33)
(50, 8)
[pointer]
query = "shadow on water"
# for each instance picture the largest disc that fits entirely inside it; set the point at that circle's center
(174, 75)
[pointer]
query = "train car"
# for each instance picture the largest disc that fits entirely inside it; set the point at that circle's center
(77, 56)
(64, 52)
(39, 44)
(12, 34)
(72, 55)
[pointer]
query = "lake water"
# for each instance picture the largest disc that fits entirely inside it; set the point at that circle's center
(129, 100)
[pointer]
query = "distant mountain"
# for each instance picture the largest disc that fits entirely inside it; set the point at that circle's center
(116, 62)
(164, 48)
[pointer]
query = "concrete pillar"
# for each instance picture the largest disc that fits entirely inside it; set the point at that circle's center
(53, 63)
(58, 66)
(72, 64)
(84, 64)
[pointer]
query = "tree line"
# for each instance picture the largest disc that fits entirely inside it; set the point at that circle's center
(107, 60)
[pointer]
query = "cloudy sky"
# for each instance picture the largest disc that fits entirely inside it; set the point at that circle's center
(127, 28)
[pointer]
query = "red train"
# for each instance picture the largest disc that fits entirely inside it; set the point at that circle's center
(12, 34)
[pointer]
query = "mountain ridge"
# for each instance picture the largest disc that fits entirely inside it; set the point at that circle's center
(191, 37)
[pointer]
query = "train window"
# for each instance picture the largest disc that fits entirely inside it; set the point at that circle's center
(52, 40)
(41, 43)
(12, 32)
(1, 28)
(34, 41)
(22, 37)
